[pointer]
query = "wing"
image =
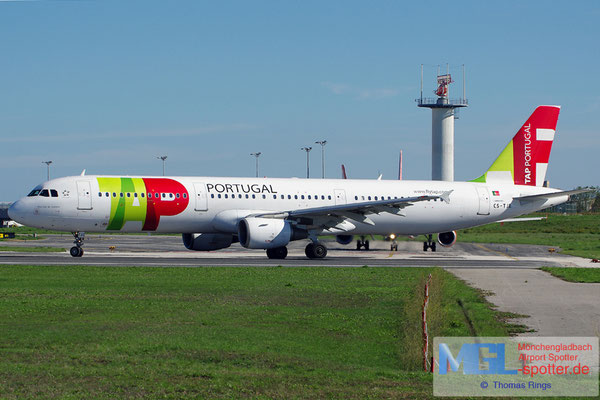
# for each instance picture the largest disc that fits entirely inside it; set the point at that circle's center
(338, 218)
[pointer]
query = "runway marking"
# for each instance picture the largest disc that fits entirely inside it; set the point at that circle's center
(495, 251)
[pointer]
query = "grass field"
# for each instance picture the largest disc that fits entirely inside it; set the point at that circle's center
(32, 249)
(577, 235)
(585, 275)
(84, 332)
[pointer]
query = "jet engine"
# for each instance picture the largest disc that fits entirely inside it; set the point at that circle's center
(447, 239)
(206, 241)
(344, 239)
(267, 233)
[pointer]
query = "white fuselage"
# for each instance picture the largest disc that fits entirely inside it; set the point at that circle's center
(216, 205)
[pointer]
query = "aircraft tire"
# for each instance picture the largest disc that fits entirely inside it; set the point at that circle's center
(278, 253)
(366, 245)
(309, 250)
(76, 251)
(319, 251)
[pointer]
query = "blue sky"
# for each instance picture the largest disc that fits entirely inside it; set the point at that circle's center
(109, 85)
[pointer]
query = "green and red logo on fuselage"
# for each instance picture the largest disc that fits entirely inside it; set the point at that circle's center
(142, 199)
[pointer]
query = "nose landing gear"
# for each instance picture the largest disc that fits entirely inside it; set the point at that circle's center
(77, 251)
(429, 244)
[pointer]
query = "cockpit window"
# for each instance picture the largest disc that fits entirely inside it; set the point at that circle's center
(53, 193)
(45, 193)
(33, 193)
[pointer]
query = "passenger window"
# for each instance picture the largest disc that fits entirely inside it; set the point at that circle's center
(274, 197)
(156, 195)
(135, 195)
(329, 197)
(170, 195)
(355, 197)
(219, 195)
(369, 197)
(239, 196)
(322, 197)
(177, 195)
(302, 197)
(45, 193)
(282, 197)
(264, 196)
(114, 194)
(121, 194)
(142, 194)
(289, 196)
(185, 195)
(226, 196)
(107, 194)
(99, 194)
(128, 194)
(247, 195)
(309, 196)
(296, 196)
(375, 197)
(212, 195)
(253, 196)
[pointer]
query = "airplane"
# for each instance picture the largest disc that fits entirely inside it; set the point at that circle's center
(211, 213)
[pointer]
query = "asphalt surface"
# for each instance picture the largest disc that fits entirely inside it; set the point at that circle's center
(553, 307)
(168, 251)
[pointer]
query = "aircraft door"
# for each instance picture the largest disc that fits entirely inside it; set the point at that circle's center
(484, 200)
(84, 195)
(340, 196)
(201, 197)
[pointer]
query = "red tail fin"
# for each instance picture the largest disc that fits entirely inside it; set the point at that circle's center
(525, 159)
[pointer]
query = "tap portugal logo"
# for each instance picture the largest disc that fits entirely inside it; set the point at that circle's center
(142, 199)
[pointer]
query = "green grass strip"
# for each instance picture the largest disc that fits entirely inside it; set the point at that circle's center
(32, 249)
(583, 275)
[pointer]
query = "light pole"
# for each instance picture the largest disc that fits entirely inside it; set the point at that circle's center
(48, 168)
(322, 143)
(256, 155)
(163, 158)
(307, 150)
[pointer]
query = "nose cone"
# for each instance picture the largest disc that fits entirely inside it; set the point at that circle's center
(16, 211)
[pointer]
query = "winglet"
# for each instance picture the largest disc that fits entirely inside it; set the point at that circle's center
(83, 173)
(446, 196)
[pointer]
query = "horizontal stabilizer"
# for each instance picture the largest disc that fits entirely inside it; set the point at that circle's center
(523, 219)
(550, 195)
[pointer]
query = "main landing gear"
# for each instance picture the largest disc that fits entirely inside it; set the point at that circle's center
(429, 244)
(277, 253)
(362, 243)
(77, 251)
(315, 250)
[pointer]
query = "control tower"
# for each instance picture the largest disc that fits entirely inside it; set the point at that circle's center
(443, 113)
